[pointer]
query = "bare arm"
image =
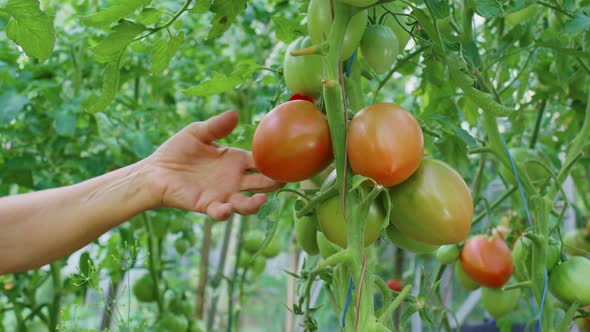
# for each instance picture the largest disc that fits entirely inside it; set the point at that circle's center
(188, 172)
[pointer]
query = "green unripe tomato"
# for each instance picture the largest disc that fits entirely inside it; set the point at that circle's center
(143, 289)
(303, 74)
(448, 253)
(258, 266)
(400, 33)
(359, 3)
(273, 248)
(576, 243)
(325, 247)
(519, 16)
(379, 47)
(160, 227)
(332, 224)
(464, 280)
(522, 254)
(196, 325)
(305, 235)
(319, 24)
(181, 245)
(407, 243)
(190, 236)
(172, 323)
(181, 306)
(178, 225)
(569, 281)
(252, 241)
(37, 326)
(499, 302)
(245, 259)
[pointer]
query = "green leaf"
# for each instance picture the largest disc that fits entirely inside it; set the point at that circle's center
(113, 45)
(105, 131)
(149, 16)
(22, 177)
(578, 24)
(287, 30)
(202, 6)
(65, 123)
(114, 13)
(226, 12)
(86, 265)
(221, 83)
(440, 9)
(140, 144)
(488, 8)
(110, 84)
(11, 103)
(30, 28)
(564, 50)
(426, 24)
(268, 209)
(569, 5)
(164, 50)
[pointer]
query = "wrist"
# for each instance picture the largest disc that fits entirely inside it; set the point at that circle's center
(152, 184)
(147, 177)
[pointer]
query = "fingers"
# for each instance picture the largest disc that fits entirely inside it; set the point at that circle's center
(259, 183)
(219, 211)
(214, 128)
(239, 203)
(245, 205)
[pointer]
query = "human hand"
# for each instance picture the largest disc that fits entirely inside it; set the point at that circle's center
(191, 172)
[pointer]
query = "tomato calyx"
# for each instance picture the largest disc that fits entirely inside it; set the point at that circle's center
(299, 96)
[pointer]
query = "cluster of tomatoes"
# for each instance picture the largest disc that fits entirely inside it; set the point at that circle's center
(429, 205)
(384, 141)
(380, 38)
(488, 262)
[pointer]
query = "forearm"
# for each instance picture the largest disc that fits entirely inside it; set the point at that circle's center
(40, 227)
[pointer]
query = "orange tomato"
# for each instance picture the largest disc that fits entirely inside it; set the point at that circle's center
(292, 142)
(385, 143)
(487, 260)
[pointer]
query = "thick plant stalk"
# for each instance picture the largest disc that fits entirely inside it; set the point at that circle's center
(334, 97)
(54, 309)
(154, 266)
(111, 302)
(291, 281)
(203, 269)
(219, 273)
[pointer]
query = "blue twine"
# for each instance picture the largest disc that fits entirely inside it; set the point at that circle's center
(528, 215)
(348, 298)
(349, 68)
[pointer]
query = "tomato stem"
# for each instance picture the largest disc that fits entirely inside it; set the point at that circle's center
(524, 284)
(313, 203)
(342, 257)
(393, 305)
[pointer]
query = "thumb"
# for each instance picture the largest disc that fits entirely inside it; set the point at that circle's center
(216, 127)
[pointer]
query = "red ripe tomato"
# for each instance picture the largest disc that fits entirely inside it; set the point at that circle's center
(292, 142)
(395, 285)
(487, 260)
(385, 143)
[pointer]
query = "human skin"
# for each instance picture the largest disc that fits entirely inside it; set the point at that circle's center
(189, 171)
